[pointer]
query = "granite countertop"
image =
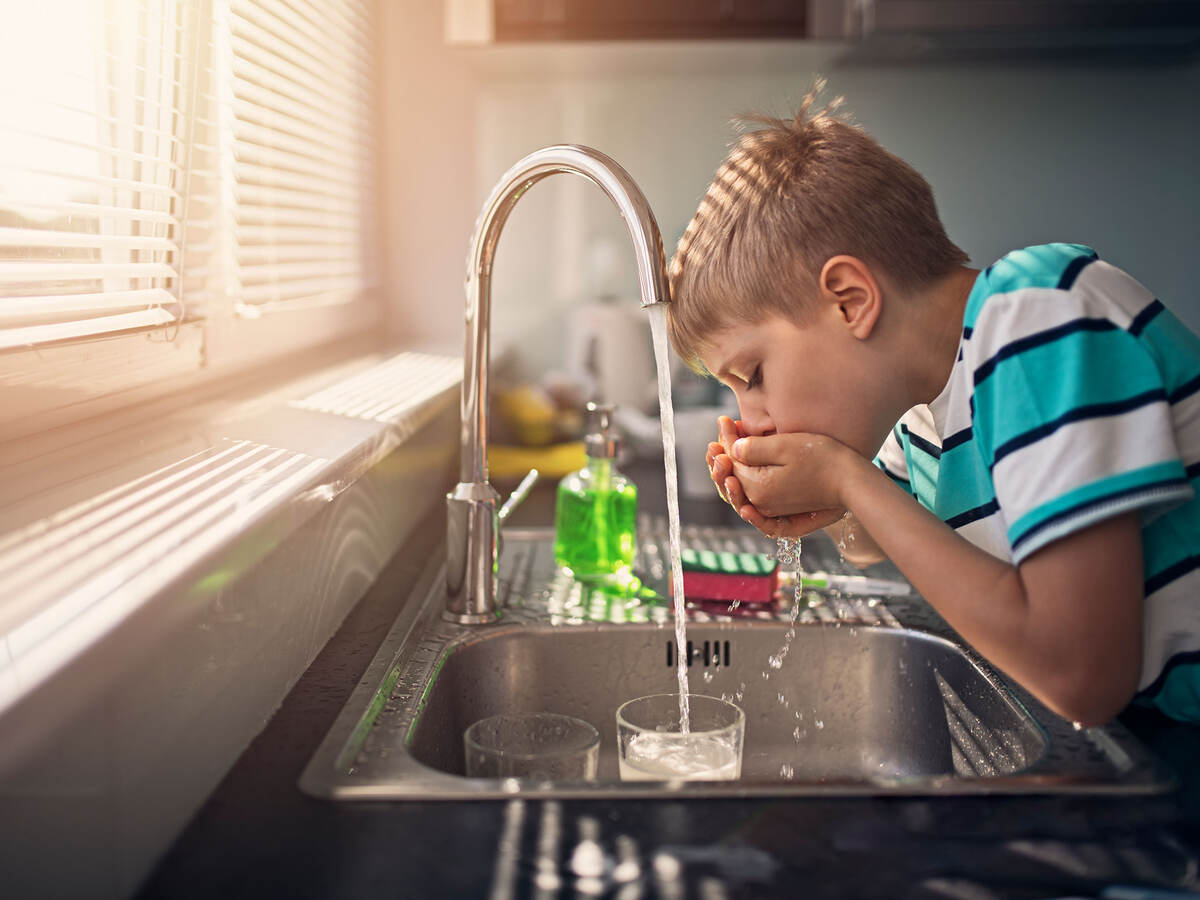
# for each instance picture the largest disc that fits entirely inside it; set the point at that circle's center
(259, 836)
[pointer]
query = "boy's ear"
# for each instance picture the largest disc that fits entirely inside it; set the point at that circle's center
(846, 283)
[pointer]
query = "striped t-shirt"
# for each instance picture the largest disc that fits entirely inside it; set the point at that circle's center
(1075, 397)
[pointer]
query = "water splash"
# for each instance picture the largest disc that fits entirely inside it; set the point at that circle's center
(788, 553)
(666, 413)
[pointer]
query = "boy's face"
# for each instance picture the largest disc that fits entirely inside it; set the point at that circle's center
(813, 378)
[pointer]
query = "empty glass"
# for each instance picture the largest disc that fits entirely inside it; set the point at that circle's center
(532, 745)
(651, 747)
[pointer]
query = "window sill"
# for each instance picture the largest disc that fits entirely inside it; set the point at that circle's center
(167, 511)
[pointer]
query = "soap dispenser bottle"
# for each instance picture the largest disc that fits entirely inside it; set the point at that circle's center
(596, 509)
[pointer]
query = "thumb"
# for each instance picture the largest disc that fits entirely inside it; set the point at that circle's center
(756, 451)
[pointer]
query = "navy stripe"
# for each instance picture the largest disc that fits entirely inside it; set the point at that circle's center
(972, 515)
(903, 482)
(1193, 470)
(1189, 658)
(921, 444)
(1071, 272)
(1142, 319)
(1036, 340)
(959, 437)
(1094, 411)
(1184, 391)
(1171, 573)
(1089, 504)
(967, 332)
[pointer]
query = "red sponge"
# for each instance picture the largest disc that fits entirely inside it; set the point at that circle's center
(728, 576)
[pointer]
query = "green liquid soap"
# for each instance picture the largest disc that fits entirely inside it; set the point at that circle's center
(595, 519)
(595, 511)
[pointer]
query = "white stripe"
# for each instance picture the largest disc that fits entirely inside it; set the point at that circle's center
(1100, 291)
(1112, 292)
(1081, 453)
(891, 454)
(1186, 416)
(1172, 625)
(1018, 314)
(951, 408)
(919, 420)
(990, 534)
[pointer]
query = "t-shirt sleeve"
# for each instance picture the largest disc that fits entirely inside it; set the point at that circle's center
(892, 461)
(1070, 412)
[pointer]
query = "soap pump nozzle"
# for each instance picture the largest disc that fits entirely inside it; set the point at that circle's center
(602, 441)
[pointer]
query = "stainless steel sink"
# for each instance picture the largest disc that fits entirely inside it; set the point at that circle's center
(867, 696)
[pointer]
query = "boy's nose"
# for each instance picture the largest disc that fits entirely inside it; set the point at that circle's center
(755, 422)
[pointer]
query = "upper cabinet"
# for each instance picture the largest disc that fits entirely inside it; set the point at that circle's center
(872, 30)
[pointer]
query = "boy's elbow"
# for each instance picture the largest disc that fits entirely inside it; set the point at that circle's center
(1089, 698)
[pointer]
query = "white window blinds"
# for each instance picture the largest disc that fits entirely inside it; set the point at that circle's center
(95, 107)
(301, 151)
(171, 161)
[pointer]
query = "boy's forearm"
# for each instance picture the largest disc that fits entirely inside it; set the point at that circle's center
(854, 542)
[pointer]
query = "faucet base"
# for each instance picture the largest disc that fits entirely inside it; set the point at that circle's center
(471, 525)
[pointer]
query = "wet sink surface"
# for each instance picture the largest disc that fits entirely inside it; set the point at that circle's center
(846, 703)
(856, 700)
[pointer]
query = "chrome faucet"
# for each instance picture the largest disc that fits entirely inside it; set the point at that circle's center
(472, 524)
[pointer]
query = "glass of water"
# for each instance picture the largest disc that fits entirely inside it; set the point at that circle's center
(548, 746)
(652, 747)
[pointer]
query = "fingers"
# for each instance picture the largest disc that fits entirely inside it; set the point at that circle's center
(734, 493)
(757, 451)
(727, 431)
(714, 450)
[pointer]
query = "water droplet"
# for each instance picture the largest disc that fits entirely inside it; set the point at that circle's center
(798, 733)
(820, 724)
(786, 771)
(708, 677)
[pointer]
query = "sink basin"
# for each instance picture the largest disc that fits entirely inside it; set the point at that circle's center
(846, 695)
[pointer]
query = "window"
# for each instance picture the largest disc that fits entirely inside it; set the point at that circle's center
(185, 186)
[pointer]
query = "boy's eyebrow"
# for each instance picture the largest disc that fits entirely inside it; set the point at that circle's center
(722, 370)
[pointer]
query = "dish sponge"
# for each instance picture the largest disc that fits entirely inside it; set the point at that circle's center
(726, 575)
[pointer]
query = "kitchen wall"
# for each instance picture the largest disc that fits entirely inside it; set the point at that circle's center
(1102, 155)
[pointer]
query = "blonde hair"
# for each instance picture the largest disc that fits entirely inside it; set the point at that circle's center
(789, 196)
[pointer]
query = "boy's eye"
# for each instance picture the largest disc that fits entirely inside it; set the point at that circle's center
(755, 377)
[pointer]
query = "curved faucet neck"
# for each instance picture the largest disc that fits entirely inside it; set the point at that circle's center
(472, 524)
(606, 174)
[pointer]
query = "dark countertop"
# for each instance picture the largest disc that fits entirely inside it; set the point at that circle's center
(259, 836)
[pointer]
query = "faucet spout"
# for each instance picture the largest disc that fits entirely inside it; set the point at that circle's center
(472, 505)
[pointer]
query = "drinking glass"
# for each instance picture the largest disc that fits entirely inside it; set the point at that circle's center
(532, 745)
(652, 747)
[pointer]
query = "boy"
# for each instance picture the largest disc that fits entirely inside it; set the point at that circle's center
(1039, 420)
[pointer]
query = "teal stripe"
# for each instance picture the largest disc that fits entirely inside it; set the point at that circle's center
(1147, 476)
(922, 473)
(1179, 696)
(1034, 267)
(1174, 347)
(1170, 538)
(963, 482)
(1046, 382)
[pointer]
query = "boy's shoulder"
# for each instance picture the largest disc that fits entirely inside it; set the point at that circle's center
(1043, 266)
